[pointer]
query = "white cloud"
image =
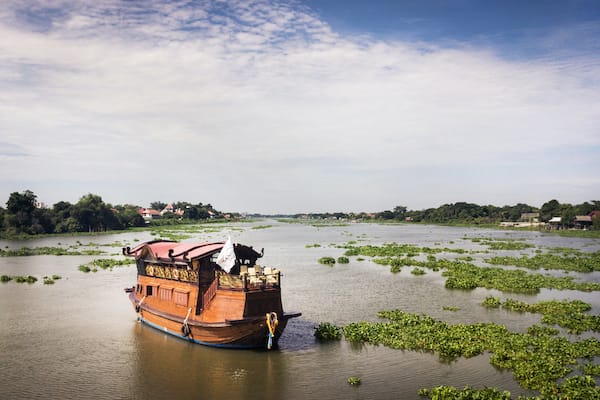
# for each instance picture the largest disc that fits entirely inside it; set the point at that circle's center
(225, 97)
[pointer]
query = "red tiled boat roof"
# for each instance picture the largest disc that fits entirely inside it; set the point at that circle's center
(175, 251)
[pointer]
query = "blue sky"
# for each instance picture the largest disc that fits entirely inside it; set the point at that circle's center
(315, 105)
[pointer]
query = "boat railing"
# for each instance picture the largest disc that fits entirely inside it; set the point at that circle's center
(251, 278)
(210, 292)
(171, 272)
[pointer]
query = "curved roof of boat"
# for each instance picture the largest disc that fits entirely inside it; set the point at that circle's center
(176, 251)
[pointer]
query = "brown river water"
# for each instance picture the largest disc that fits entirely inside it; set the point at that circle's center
(79, 338)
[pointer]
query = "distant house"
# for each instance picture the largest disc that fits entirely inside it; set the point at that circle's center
(148, 213)
(582, 221)
(555, 223)
(170, 209)
(530, 217)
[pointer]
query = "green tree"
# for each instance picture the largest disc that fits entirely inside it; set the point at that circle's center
(400, 212)
(129, 217)
(93, 215)
(42, 221)
(18, 217)
(549, 210)
(158, 205)
(63, 221)
(387, 214)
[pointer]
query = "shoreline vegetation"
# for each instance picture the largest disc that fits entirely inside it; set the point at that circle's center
(25, 217)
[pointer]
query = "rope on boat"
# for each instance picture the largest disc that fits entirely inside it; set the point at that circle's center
(185, 328)
(138, 307)
(272, 323)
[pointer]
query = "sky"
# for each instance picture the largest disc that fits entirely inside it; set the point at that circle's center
(301, 106)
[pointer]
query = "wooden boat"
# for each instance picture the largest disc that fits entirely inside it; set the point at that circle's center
(183, 291)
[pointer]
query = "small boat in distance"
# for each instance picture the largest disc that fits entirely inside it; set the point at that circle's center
(208, 293)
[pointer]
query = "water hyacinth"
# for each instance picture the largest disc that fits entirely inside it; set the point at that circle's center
(568, 314)
(327, 260)
(327, 331)
(354, 381)
(538, 359)
(53, 251)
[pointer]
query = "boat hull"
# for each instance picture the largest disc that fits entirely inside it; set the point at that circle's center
(249, 333)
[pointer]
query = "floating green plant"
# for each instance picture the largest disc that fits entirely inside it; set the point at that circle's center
(327, 260)
(262, 227)
(538, 361)
(568, 314)
(308, 246)
(54, 251)
(343, 260)
(450, 308)
(84, 268)
(591, 369)
(501, 243)
(104, 263)
(418, 271)
(327, 331)
(461, 275)
(25, 279)
(354, 381)
(491, 302)
(467, 393)
(575, 261)
(110, 263)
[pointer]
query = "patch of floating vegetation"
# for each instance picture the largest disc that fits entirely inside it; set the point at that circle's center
(538, 359)
(171, 235)
(450, 308)
(354, 381)
(462, 275)
(54, 251)
(467, 393)
(262, 227)
(327, 331)
(572, 260)
(314, 245)
(568, 314)
(398, 250)
(465, 275)
(93, 244)
(18, 278)
(327, 260)
(418, 271)
(591, 369)
(343, 260)
(104, 263)
(51, 280)
(501, 244)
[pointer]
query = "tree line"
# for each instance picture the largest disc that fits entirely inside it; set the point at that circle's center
(23, 215)
(470, 213)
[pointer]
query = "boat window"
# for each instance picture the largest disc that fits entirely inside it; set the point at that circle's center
(181, 298)
(149, 290)
(165, 293)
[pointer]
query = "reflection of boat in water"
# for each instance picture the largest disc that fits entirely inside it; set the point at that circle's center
(184, 290)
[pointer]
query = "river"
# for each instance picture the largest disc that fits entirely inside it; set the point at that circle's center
(79, 338)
